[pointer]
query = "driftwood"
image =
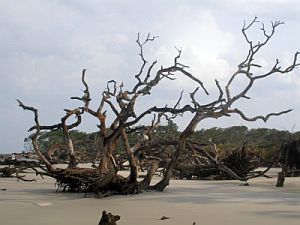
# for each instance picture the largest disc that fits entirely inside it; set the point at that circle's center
(11, 168)
(290, 161)
(108, 219)
(120, 103)
(165, 218)
(8, 171)
(203, 164)
(13, 172)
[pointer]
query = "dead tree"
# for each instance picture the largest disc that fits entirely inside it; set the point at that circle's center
(14, 169)
(121, 102)
(290, 161)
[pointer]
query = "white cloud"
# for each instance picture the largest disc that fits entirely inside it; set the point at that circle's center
(259, 7)
(45, 45)
(203, 44)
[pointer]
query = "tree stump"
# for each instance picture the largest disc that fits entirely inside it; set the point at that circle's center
(285, 166)
(280, 179)
(108, 219)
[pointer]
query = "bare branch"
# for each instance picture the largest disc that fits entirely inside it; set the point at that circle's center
(86, 97)
(176, 63)
(144, 61)
(68, 140)
(108, 92)
(263, 118)
(36, 134)
(178, 101)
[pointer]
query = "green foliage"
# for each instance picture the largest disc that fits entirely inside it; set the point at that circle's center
(232, 135)
(47, 139)
(168, 131)
(264, 143)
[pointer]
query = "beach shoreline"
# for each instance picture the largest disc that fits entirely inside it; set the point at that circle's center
(184, 201)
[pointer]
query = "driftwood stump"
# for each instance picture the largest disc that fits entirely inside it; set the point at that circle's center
(108, 219)
(285, 155)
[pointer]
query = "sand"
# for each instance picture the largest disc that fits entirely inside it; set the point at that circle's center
(185, 202)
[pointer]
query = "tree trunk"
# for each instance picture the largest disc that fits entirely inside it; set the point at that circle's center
(151, 171)
(182, 142)
(72, 162)
(132, 162)
(284, 169)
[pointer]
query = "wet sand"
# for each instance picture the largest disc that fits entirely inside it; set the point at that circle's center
(185, 202)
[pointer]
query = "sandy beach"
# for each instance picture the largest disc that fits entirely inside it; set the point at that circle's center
(185, 202)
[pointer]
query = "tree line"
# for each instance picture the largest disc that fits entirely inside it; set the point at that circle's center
(263, 142)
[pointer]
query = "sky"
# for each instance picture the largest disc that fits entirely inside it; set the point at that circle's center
(45, 44)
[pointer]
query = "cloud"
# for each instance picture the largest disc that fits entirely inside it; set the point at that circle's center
(264, 8)
(45, 45)
(203, 44)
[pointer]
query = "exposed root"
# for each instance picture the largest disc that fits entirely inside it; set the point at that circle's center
(89, 180)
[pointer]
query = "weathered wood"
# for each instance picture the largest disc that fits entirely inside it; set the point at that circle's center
(7, 171)
(290, 161)
(108, 219)
(132, 162)
(121, 103)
